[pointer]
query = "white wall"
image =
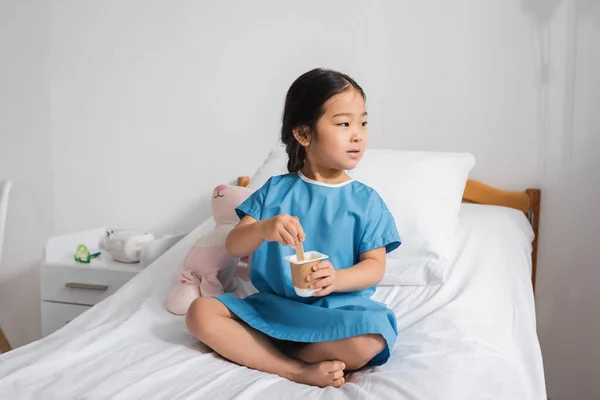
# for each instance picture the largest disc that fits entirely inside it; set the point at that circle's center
(25, 158)
(151, 103)
(567, 300)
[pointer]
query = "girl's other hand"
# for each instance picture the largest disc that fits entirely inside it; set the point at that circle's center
(284, 229)
(324, 277)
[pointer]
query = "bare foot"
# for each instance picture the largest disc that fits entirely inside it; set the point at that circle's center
(325, 373)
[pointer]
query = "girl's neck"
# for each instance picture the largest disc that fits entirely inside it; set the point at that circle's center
(329, 176)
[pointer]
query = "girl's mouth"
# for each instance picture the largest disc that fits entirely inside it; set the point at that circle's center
(354, 153)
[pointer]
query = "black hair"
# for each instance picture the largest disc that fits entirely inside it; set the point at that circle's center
(305, 104)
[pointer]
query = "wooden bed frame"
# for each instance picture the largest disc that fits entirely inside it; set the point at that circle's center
(476, 192)
(528, 202)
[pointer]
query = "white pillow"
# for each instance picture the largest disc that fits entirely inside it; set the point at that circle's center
(423, 191)
(275, 164)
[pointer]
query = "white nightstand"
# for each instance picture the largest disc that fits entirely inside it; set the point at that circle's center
(69, 288)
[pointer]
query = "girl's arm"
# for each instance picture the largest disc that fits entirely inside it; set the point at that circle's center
(249, 234)
(245, 238)
(368, 272)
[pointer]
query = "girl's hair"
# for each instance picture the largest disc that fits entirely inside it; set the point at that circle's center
(305, 104)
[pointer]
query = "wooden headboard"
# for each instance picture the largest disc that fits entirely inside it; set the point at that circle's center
(528, 202)
(476, 192)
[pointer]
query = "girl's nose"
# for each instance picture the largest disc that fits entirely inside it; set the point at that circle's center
(220, 187)
(356, 138)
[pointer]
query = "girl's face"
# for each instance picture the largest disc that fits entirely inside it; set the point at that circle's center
(341, 137)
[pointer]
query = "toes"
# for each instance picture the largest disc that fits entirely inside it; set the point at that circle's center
(338, 374)
(337, 365)
(338, 382)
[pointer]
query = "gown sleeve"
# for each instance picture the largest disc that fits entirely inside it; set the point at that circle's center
(380, 228)
(253, 205)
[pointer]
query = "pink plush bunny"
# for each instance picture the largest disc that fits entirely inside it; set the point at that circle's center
(208, 270)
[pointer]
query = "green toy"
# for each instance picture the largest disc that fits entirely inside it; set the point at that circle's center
(82, 254)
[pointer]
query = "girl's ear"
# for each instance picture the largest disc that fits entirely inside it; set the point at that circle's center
(302, 135)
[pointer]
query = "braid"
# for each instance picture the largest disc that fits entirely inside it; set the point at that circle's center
(296, 155)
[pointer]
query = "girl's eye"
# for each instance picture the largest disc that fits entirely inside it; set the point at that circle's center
(344, 124)
(365, 123)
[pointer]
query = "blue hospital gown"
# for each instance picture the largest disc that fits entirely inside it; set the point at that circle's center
(342, 221)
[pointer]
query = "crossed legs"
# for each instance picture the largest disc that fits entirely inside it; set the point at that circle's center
(318, 364)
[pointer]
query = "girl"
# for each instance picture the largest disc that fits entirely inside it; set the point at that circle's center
(310, 340)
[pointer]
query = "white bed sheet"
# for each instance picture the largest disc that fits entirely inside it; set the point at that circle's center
(472, 337)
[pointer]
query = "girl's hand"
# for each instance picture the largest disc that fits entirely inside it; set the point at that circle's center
(284, 229)
(323, 276)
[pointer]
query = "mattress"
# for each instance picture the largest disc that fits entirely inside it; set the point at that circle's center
(472, 337)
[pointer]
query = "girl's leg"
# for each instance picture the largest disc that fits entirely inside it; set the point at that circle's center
(211, 322)
(355, 352)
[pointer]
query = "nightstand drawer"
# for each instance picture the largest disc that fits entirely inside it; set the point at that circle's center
(57, 315)
(80, 285)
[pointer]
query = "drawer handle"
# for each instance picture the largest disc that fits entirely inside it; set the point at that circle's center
(75, 285)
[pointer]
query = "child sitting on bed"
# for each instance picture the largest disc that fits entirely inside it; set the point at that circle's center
(310, 340)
